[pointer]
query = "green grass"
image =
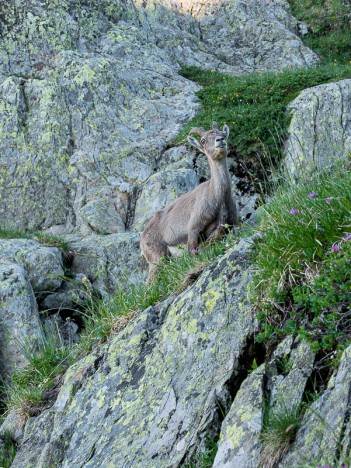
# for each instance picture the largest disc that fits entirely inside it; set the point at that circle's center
(293, 245)
(254, 106)
(49, 358)
(7, 450)
(49, 240)
(204, 459)
(280, 425)
(329, 23)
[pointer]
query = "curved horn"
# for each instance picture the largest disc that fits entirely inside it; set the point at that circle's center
(197, 130)
(214, 125)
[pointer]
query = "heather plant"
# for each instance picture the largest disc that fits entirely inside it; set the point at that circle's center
(280, 425)
(302, 282)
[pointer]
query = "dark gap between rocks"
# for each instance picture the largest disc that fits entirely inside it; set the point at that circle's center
(252, 355)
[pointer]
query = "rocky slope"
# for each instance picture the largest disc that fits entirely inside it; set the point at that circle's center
(90, 102)
(183, 373)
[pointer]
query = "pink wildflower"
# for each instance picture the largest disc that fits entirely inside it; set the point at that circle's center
(313, 195)
(335, 247)
(294, 211)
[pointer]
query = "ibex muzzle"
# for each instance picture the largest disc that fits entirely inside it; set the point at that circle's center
(199, 215)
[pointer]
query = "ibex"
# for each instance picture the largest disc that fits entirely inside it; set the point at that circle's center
(199, 215)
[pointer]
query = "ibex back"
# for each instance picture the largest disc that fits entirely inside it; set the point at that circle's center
(199, 215)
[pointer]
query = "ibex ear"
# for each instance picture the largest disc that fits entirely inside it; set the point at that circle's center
(193, 142)
(214, 125)
(225, 131)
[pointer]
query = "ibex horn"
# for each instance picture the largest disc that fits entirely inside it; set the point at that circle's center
(214, 125)
(198, 131)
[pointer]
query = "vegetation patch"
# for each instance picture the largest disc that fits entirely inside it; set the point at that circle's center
(329, 24)
(302, 283)
(49, 240)
(254, 106)
(280, 426)
(7, 450)
(31, 386)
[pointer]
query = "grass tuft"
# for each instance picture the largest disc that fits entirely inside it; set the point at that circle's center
(44, 238)
(280, 426)
(45, 362)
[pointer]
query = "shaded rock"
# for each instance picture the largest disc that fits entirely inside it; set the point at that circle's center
(320, 129)
(14, 423)
(150, 396)
(42, 264)
(109, 262)
(74, 291)
(101, 217)
(65, 331)
(177, 157)
(324, 436)
(288, 372)
(161, 189)
(19, 317)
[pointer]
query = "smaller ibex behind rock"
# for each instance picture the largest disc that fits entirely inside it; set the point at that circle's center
(199, 215)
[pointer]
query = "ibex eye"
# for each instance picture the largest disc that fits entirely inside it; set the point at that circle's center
(202, 141)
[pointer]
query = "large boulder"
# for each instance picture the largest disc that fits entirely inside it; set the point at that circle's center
(109, 262)
(152, 394)
(280, 382)
(320, 129)
(44, 265)
(20, 325)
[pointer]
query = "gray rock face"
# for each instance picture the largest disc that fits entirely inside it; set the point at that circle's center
(320, 129)
(109, 262)
(87, 110)
(42, 264)
(324, 437)
(150, 395)
(19, 317)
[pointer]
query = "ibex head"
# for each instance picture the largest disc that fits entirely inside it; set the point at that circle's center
(213, 143)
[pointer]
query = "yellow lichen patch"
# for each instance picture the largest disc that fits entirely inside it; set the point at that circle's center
(235, 435)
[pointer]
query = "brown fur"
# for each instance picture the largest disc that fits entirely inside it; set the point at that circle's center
(198, 215)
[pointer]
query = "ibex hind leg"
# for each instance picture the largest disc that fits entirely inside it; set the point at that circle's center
(153, 250)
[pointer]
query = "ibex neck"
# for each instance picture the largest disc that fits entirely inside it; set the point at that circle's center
(220, 178)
